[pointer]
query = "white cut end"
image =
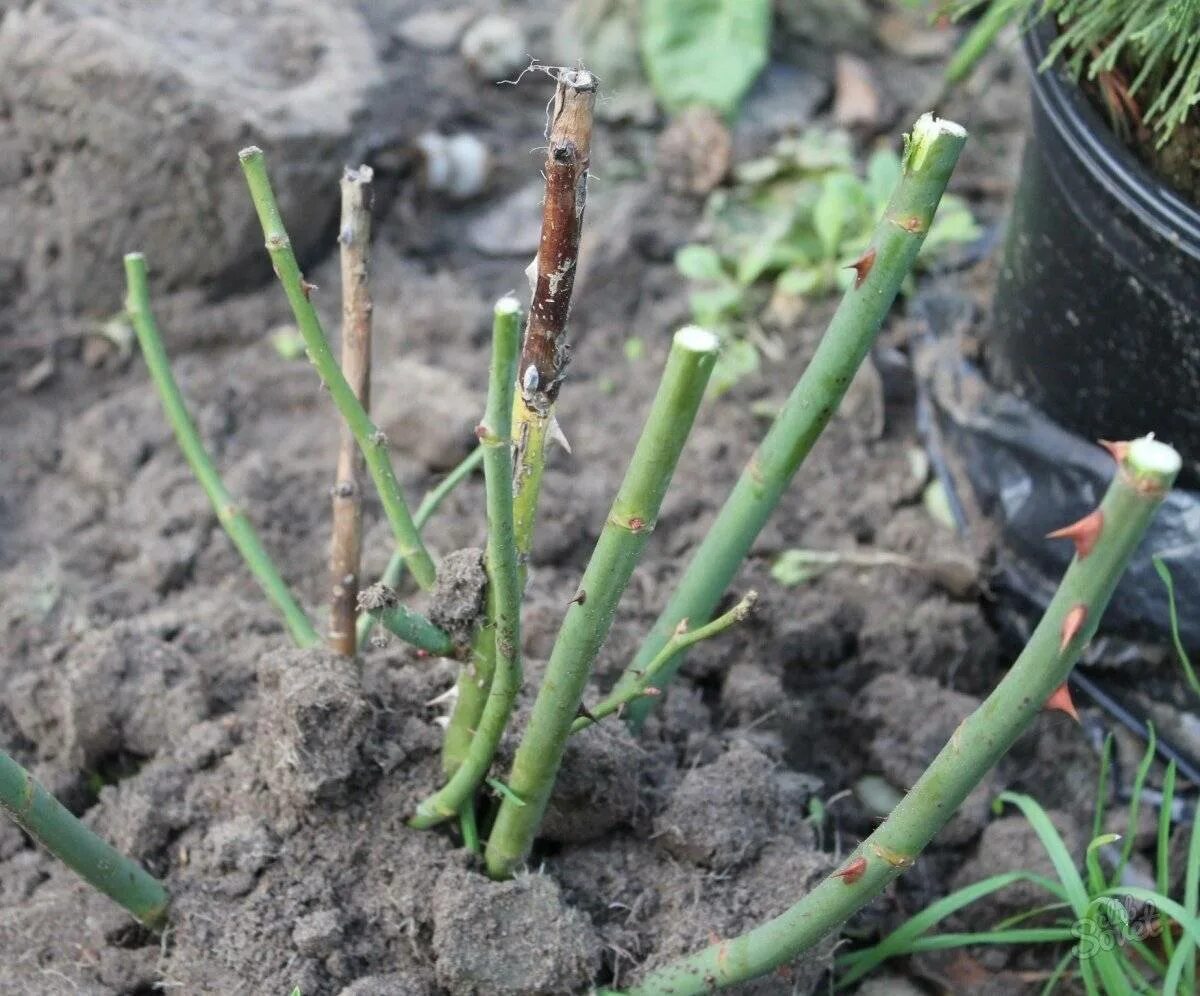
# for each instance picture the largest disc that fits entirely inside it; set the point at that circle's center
(1148, 456)
(697, 340)
(508, 305)
(929, 127)
(925, 134)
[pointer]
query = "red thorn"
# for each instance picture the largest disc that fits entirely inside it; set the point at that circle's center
(853, 871)
(481, 431)
(1071, 625)
(1083, 533)
(1118, 450)
(862, 267)
(1060, 700)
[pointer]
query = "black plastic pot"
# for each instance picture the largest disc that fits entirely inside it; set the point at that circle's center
(1097, 311)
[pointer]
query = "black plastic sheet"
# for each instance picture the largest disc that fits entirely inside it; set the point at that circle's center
(1030, 476)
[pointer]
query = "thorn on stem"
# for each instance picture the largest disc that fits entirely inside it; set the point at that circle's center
(1083, 533)
(307, 288)
(862, 267)
(1060, 701)
(579, 599)
(853, 871)
(1117, 450)
(1071, 625)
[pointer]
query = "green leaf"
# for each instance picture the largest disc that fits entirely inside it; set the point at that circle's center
(704, 51)
(737, 359)
(883, 173)
(796, 567)
(697, 262)
(288, 342)
(802, 281)
(767, 254)
(832, 211)
(713, 307)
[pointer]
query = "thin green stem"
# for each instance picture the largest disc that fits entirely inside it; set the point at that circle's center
(1145, 473)
(471, 696)
(429, 504)
(51, 824)
(416, 629)
(931, 155)
(504, 589)
(232, 519)
(370, 440)
(680, 641)
(590, 614)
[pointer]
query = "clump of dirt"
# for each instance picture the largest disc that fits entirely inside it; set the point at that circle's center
(456, 602)
(508, 939)
(757, 805)
(316, 719)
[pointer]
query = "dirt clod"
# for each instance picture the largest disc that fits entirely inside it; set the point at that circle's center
(722, 814)
(509, 938)
(313, 723)
(456, 604)
(597, 786)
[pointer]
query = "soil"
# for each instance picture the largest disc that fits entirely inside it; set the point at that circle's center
(152, 688)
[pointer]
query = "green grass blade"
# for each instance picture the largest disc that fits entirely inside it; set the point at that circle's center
(1135, 804)
(1185, 662)
(1103, 785)
(1162, 864)
(1060, 970)
(1096, 880)
(899, 941)
(1056, 849)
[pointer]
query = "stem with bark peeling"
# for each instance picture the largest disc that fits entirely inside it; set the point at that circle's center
(370, 440)
(53, 826)
(544, 350)
(931, 154)
(346, 544)
(504, 589)
(232, 519)
(590, 614)
(1145, 472)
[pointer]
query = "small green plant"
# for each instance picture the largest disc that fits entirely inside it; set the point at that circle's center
(1145, 55)
(795, 223)
(1103, 926)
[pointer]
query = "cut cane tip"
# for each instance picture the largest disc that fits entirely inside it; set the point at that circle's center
(697, 339)
(508, 305)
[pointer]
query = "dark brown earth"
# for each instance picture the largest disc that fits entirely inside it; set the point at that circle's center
(149, 684)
